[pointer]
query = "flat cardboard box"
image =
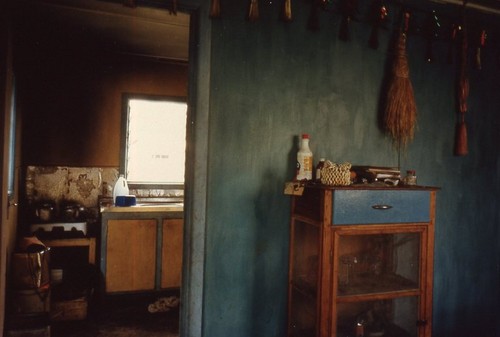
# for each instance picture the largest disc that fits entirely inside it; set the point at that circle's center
(70, 310)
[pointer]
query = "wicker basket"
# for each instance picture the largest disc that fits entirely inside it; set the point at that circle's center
(336, 174)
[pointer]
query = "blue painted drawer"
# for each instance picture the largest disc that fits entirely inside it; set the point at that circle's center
(380, 206)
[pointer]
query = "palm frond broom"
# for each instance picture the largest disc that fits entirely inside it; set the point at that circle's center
(400, 113)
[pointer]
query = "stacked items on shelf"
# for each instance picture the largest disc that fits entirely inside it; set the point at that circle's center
(370, 174)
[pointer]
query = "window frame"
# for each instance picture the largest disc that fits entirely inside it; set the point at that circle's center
(11, 170)
(126, 97)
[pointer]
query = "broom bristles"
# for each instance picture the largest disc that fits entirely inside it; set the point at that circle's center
(401, 115)
(401, 110)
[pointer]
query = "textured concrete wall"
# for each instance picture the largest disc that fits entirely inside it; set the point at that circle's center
(270, 82)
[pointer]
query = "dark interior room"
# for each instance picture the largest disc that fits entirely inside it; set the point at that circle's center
(340, 168)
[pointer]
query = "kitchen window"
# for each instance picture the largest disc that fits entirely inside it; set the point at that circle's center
(153, 141)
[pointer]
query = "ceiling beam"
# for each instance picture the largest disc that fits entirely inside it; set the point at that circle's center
(472, 5)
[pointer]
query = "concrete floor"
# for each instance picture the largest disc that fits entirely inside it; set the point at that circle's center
(122, 317)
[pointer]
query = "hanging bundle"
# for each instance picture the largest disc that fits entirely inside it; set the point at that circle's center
(378, 17)
(461, 146)
(215, 9)
(286, 14)
(431, 32)
(253, 11)
(348, 9)
(400, 111)
(480, 45)
(455, 28)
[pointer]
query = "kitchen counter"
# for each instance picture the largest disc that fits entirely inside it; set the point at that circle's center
(148, 208)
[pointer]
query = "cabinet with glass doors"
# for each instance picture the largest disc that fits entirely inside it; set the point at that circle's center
(361, 262)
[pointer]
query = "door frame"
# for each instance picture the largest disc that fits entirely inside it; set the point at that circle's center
(8, 203)
(195, 204)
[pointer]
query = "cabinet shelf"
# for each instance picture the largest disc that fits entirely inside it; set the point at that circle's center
(307, 220)
(373, 285)
(304, 288)
(377, 296)
(391, 330)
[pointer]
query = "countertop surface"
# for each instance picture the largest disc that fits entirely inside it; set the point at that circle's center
(148, 207)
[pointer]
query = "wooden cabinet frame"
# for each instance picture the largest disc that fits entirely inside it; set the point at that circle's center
(160, 222)
(315, 210)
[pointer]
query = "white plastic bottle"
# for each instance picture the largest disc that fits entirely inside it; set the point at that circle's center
(121, 187)
(304, 160)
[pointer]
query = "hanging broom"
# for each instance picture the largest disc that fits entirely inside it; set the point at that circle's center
(461, 146)
(400, 111)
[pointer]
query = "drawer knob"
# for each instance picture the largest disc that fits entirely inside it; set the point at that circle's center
(382, 207)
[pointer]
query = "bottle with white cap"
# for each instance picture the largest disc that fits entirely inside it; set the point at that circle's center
(304, 160)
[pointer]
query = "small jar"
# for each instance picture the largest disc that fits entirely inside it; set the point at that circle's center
(411, 178)
(320, 166)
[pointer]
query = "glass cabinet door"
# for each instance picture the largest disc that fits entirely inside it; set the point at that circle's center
(304, 281)
(378, 283)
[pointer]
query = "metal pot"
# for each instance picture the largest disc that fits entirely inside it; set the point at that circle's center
(45, 211)
(70, 212)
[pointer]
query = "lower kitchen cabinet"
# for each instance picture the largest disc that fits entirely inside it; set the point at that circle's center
(131, 255)
(141, 251)
(361, 262)
(171, 272)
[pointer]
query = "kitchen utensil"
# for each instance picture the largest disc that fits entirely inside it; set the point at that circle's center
(45, 211)
(70, 211)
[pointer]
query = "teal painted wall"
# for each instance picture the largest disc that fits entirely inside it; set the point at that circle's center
(272, 81)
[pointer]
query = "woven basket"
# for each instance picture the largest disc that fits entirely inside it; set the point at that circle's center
(336, 174)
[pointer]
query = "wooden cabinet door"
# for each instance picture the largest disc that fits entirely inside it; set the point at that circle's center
(171, 269)
(131, 255)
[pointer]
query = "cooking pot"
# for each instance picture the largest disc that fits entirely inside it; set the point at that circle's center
(45, 211)
(71, 211)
